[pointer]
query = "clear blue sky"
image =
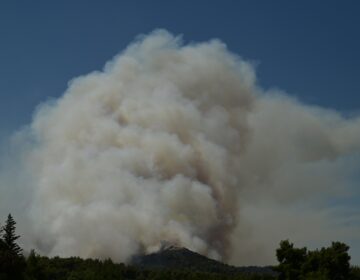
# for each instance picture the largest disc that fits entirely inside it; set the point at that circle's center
(310, 49)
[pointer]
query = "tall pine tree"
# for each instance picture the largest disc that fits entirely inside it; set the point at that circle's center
(9, 237)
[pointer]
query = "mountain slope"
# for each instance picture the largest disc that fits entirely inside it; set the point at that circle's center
(183, 259)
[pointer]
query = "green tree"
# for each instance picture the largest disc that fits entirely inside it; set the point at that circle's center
(12, 263)
(330, 263)
(34, 270)
(290, 260)
(336, 261)
(9, 237)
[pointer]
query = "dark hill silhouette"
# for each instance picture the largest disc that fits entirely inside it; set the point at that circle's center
(179, 258)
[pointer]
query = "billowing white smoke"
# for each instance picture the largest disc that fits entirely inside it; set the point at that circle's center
(144, 152)
(177, 144)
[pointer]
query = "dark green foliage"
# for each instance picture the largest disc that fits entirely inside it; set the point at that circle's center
(290, 260)
(354, 273)
(34, 270)
(330, 263)
(9, 237)
(12, 263)
(41, 268)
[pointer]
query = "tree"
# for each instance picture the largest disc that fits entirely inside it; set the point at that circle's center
(290, 260)
(9, 237)
(336, 261)
(34, 269)
(330, 263)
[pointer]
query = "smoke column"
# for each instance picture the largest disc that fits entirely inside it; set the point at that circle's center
(144, 152)
(174, 143)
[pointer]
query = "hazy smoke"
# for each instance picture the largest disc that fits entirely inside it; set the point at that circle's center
(144, 152)
(177, 144)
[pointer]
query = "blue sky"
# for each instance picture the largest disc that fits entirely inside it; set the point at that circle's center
(307, 48)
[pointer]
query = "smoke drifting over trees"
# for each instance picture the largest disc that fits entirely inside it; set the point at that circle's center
(178, 144)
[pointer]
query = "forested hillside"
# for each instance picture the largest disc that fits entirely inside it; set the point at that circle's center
(330, 263)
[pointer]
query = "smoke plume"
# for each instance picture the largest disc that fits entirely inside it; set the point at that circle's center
(178, 144)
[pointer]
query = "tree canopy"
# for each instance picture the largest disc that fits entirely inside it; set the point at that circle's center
(331, 263)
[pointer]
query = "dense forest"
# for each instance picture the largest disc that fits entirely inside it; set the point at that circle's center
(331, 263)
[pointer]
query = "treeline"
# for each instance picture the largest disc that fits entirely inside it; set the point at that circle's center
(330, 263)
(43, 268)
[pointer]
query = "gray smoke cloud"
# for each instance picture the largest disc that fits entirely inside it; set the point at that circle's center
(178, 144)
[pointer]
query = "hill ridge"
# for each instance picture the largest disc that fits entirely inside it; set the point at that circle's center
(181, 258)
